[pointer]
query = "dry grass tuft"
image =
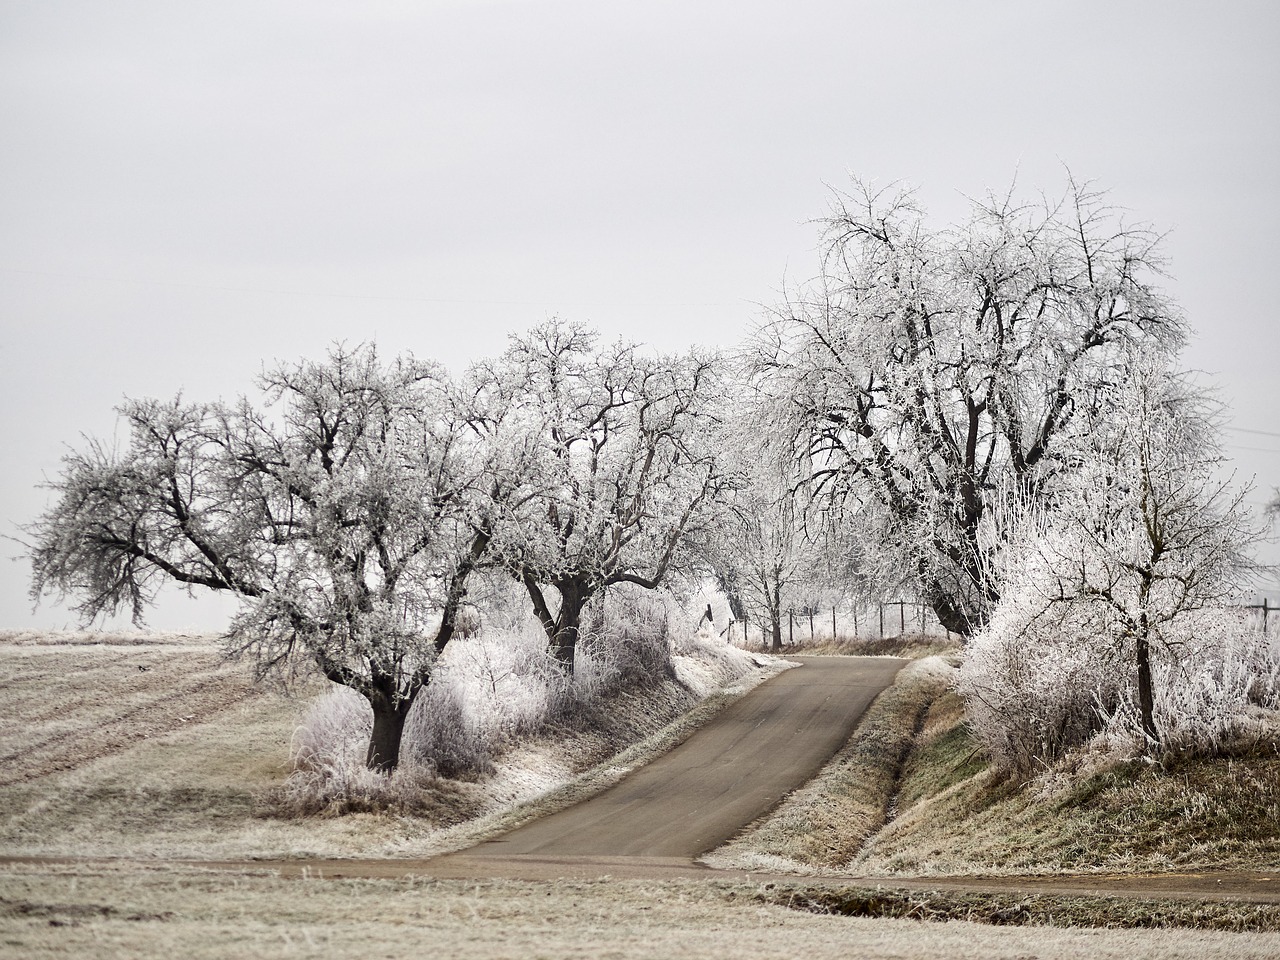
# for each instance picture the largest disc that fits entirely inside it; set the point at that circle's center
(1032, 909)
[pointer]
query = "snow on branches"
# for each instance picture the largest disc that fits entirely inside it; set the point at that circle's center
(924, 371)
(620, 478)
(342, 507)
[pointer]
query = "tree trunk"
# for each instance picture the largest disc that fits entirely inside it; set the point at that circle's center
(775, 616)
(564, 648)
(388, 730)
(568, 623)
(562, 629)
(950, 613)
(1146, 695)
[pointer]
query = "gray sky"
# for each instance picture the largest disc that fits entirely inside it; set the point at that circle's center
(189, 189)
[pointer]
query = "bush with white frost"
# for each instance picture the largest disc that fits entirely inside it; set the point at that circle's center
(1039, 684)
(499, 687)
(1116, 592)
(1222, 693)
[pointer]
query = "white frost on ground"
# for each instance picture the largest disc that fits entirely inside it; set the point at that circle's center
(119, 754)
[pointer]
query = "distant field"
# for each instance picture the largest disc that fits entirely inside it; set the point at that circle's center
(133, 744)
(71, 703)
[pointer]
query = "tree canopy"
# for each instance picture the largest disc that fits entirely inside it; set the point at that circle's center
(621, 477)
(343, 507)
(924, 371)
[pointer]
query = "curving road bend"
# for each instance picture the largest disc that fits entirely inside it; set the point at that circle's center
(730, 772)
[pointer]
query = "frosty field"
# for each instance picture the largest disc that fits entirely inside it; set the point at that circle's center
(154, 752)
(164, 910)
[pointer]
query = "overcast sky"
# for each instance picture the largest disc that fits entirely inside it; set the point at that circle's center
(187, 190)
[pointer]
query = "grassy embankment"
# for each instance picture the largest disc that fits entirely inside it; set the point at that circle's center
(912, 794)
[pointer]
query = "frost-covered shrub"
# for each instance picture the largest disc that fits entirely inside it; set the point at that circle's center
(496, 687)
(467, 622)
(629, 639)
(334, 728)
(1216, 689)
(443, 735)
(1037, 684)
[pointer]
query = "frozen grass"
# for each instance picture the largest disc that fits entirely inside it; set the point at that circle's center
(135, 910)
(67, 704)
(950, 813)
(162, 749)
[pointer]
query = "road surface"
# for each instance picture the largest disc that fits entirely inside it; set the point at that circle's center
(733, 770)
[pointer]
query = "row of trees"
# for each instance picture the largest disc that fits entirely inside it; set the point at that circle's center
(995, 407)
(929, 408)
(348, 503)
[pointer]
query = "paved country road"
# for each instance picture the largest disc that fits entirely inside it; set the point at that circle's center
(731, 771)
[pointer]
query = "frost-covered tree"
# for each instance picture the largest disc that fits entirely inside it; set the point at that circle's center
(1146, 530)
(925, 371)
(619, 480)
(343, 508)
(762, 554)
(769, 559)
